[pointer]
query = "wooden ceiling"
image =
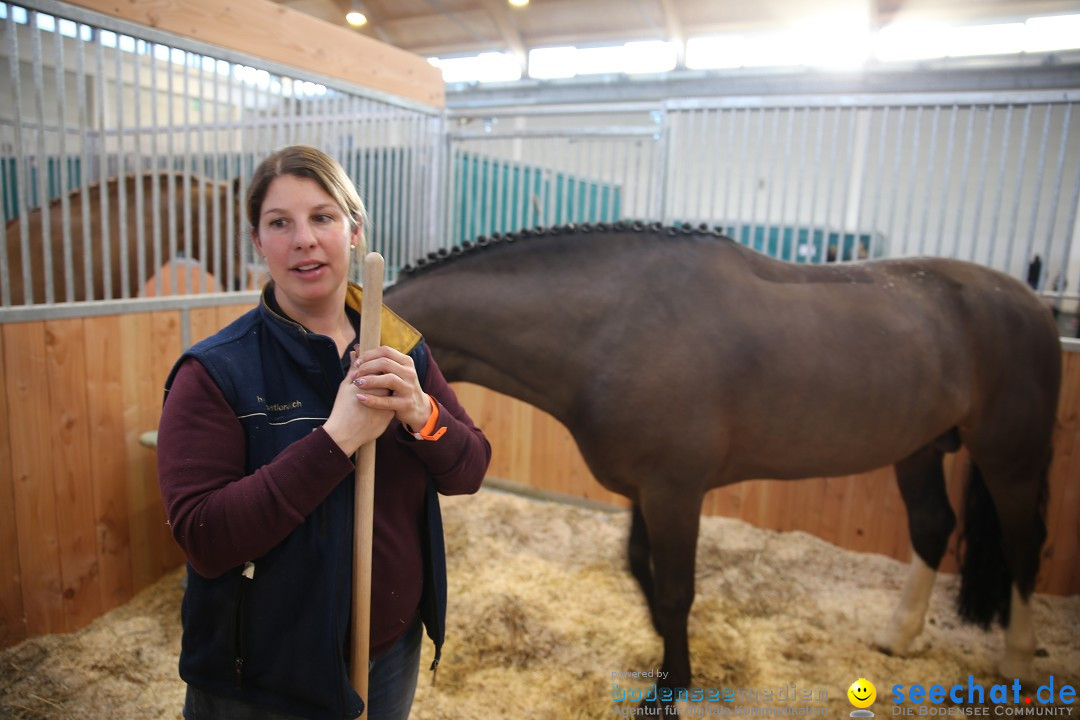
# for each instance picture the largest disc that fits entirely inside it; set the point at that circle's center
(456, 27)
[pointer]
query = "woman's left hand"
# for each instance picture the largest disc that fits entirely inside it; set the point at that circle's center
(386, 369)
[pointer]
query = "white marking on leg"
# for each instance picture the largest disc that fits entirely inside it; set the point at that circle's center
(1019, 640)
(910, 614)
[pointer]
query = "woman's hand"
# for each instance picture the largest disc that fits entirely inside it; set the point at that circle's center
(353, 422)
(386, 380)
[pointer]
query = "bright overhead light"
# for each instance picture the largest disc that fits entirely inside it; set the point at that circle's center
(485, 67)
(518, 3)
(356, 19)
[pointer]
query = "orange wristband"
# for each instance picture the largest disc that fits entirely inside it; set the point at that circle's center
(428, 432)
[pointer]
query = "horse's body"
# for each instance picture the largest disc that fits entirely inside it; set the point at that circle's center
(197, 205)
(682, 362)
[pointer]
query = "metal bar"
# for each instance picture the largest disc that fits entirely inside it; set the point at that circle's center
(121, 179)
(996, 205)
(946, 184)
(912, 179)
(984, 159)
(785, 250)
(103, 175)
(1037, 196)
(834, 144)
(819, 143)
(137, 170)
(1014, 215)
(881, 172)
(928, 186)
(42, 161)
(62, 160)
(800, 184)
(157, 261)
(1057, 285)
(84, 179)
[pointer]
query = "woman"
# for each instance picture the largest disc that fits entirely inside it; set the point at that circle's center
(258, 429)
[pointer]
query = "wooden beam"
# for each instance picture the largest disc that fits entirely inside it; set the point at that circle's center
(264, 29)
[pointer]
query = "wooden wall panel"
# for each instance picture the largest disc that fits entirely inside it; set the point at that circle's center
(108, 467)
(12, 624)
(69, 439)
(32, 472)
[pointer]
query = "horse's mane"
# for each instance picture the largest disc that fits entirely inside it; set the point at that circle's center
(443, 256)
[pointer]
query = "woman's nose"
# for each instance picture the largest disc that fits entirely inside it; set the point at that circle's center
(303, 237)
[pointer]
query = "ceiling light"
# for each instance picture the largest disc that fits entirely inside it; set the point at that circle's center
(518, 3)
(356, 18)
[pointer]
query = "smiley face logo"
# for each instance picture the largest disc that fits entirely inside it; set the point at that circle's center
(862, 693)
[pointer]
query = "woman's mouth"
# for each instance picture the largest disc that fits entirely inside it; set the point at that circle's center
(308, 268)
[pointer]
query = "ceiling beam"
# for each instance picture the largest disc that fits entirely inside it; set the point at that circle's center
(674, 30)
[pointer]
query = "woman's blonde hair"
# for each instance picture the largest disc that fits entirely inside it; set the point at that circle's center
(308, 162)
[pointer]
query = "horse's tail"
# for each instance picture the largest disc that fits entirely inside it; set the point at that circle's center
(985, 578)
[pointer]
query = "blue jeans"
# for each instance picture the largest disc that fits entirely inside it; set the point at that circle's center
(391, 686)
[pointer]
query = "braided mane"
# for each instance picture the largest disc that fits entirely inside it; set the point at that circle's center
(442, 256)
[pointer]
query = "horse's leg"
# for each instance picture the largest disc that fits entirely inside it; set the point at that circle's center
(672, 521)
(1004, 529)
(640, 561)
(930, 522)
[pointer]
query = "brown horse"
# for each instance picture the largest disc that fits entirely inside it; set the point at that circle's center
(682, 361)
(198, 204)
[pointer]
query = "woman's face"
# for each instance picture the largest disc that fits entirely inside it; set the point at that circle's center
(305, 237)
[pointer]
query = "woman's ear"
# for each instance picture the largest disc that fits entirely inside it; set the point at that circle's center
(255, 239)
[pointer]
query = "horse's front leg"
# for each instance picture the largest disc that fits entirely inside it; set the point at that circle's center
(672, 524)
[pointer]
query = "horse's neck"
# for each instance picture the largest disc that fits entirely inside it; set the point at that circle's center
(509, 336)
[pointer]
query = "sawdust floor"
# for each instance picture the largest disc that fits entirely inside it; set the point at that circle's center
(544, 622)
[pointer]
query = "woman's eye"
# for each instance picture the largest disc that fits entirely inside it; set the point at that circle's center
(277, 223)
(324, 218)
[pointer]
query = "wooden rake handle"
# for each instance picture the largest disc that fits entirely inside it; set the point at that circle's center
(364, 501)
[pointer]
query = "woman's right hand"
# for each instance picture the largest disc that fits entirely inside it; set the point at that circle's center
(351, 423)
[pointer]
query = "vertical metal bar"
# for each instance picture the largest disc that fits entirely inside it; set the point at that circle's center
(1036, 196)
(965, 164)
(819, 142)
(155, 171)
(42, 158)
(928, 186)
(800, 184)
(984, 158)
(121, 174)
(213, 180)
(204, 235)
(1014, 215)
(728, 214)
(912, 178)
(946, 186)
(103, 194)
(170, 149)
(1070, 226)
(853, 192)
(754, 170)
(998, 195)
(189, 161)
(84, 180)
(834, 144)
(62, 160)
(1057, 283)
(894, 249)
(770, 181)
(714, 164)
(137, 169)
(741, 183)
(786, 250)
(880, 172)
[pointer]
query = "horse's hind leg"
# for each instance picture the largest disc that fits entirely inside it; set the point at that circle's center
(1004, 529)
(931, 520)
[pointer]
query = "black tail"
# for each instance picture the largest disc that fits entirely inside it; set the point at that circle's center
(985, 580)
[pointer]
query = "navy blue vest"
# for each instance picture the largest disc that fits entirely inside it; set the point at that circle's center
(274, 632)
